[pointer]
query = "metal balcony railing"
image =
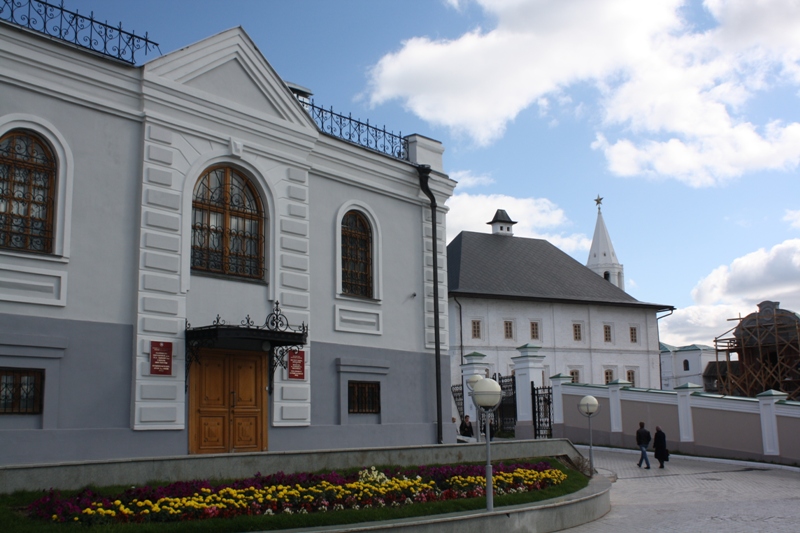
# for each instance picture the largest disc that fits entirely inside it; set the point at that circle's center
(357, 132)
(84, 31)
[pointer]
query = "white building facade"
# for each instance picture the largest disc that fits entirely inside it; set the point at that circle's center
(684, 364)
(187, 200)
(512, 296)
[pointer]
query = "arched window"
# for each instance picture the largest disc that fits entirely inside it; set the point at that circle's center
(227, 225)
(686, 365)
(27, 193)
(356, 255)
(607, 275)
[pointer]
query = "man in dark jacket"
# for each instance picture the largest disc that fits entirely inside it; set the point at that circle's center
(643, 441)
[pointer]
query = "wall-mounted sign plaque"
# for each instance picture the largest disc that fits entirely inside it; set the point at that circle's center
(161, 358)
(297, 365)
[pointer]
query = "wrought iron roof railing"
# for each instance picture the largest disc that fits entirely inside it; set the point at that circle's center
(357, 132)
(86, 32)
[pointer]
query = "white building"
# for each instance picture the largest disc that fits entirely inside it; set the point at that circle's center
(684, 364)
(510, 294)
(153, 217)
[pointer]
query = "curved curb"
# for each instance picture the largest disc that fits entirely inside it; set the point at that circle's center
(560, 513)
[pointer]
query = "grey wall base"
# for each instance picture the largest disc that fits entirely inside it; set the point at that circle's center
(524, 430)
(183, 468)
(38, 446)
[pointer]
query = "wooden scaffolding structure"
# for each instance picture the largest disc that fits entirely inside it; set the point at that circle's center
(767, 346)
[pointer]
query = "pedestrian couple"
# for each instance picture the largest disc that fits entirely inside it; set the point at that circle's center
(659, 445)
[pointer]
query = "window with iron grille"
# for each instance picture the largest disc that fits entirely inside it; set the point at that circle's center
(535, 330)
(227, 225)
(631, 376)
(607, 333)
(576, 332)
(476, 329)
(508, 329)
(27, 191)
(575, 375)
(634, 335)
(21, 391)
(609, 376)
(356, 255)
(363, 397)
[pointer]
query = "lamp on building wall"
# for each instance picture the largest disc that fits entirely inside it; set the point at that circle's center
(588, 406)
(487, 393)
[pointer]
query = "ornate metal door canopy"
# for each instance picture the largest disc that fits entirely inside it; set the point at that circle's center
(275, 336)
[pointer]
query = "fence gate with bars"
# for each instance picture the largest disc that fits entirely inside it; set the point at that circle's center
(542, 399)
(506, 415)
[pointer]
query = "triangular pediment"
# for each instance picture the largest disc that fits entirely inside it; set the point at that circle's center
(228, 69)
(230, 80)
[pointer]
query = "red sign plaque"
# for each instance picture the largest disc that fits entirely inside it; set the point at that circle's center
(161, 358)
(297, 365)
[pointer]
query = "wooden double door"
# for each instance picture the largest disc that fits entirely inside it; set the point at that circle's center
(228, 402)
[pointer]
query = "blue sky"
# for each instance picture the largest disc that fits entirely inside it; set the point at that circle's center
(682, 115)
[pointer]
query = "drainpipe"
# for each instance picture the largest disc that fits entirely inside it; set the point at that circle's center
(424, 172)
(460, 329)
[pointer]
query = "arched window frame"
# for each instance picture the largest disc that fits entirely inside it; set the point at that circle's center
(64, 171)
(685, 365)
(241, 265)
(357, 255)
(376, 262)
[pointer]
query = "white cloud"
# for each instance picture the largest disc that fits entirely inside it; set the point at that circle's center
(793, 218)
(537, 218)
(733, 290)
(698, 324)
(673, 98)
(467, 180)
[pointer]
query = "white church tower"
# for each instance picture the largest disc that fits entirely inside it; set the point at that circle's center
(602, 259)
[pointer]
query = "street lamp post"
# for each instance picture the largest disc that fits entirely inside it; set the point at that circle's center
(487, 393)
(588, 407)
(471, 381)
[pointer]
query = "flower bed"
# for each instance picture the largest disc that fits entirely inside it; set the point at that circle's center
(294, 493)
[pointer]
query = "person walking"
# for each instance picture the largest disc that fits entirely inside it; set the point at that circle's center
(660, 446)
(643, 441)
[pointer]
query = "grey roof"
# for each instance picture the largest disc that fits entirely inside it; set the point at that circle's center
(694, 347)
(497, 266)
(664, 347)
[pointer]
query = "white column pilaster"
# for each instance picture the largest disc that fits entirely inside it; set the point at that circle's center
(474, 365)
(769, 422)
(558, 401)
(528, 367)
(615, 403)
(685, 410)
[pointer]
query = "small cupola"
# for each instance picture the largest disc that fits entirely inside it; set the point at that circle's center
(502, 224)
(303, 94)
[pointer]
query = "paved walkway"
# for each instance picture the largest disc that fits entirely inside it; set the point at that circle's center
(696, 495)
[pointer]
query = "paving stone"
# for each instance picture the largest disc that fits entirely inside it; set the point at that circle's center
(692, 494)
